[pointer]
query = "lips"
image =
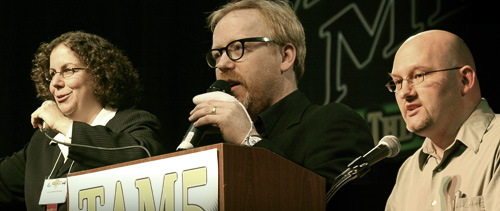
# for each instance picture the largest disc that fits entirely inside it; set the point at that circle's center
(412, 109)
(233, 84)
(62, 97)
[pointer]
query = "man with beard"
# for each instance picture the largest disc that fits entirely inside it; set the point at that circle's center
(437, 91)
(259, 49)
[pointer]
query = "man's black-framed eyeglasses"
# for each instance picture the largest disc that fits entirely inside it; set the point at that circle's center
(396, 84)
(65, 73)
(234, 50)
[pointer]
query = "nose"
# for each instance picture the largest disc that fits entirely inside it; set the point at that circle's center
(225, 63)
(57, 81)
(406, 90)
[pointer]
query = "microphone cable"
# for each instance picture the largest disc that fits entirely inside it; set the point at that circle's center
(99, 148)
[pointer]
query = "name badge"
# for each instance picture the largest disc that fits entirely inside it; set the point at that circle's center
(54, 191)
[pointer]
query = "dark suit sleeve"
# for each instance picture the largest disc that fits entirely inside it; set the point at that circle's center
(128, 128)
(12, 177)
(271, 146)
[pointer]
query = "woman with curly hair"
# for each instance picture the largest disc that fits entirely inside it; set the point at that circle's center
(88, 120)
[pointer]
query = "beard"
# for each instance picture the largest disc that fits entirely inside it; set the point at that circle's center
(419, 126)
(251, 95)
(246, 100)
(253, 106)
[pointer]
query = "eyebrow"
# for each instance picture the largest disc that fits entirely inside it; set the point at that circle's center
(413, 70)
(64, 66)
(391, 75)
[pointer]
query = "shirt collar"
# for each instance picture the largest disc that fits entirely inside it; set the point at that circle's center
(470, 133)
(104, 116)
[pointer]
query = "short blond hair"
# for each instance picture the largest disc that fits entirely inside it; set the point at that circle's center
(282, 21)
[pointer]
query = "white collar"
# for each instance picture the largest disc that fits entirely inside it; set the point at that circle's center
(104, 116)
(102, 119)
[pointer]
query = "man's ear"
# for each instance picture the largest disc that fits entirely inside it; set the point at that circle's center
(467, 79)
(288, 54)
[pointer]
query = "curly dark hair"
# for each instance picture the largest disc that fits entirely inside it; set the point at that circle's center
(116, 82)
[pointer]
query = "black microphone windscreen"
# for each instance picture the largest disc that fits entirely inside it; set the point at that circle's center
(220, 85)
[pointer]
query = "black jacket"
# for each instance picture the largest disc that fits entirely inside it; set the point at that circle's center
(323, 139)
(22, 175)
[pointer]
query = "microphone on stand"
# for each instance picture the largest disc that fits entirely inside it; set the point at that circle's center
(193, 135)
(388, 146)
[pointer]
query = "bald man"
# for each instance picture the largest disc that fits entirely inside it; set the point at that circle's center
(437, 91)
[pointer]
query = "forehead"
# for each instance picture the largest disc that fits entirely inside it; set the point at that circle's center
(414, 57)
(62, 54)
(238, 24)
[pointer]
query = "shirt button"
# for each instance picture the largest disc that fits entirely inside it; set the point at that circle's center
(434, 203)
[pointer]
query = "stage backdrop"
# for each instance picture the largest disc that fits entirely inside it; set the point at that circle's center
(350, 48)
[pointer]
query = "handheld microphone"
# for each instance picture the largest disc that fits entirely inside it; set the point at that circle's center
(193, 135)
(388, 146)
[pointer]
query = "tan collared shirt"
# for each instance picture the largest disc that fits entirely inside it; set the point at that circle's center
(468, 176)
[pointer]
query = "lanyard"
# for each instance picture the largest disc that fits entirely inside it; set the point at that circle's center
(55, 164)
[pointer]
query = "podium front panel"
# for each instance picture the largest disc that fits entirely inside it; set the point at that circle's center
(174, 183)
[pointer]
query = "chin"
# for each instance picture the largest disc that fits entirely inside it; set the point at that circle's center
(66, 111)
(409, 128)
(417, 128)
(413, 125)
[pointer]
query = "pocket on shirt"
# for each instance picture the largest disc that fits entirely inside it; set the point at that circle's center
(475, 203)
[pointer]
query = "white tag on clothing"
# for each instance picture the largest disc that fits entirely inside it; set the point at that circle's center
(54, 191)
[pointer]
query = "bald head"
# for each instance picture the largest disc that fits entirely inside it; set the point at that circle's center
(436, 47)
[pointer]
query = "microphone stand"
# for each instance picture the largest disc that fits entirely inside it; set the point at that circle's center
(356, 169)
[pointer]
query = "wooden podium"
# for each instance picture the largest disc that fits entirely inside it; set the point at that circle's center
(249, 178)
